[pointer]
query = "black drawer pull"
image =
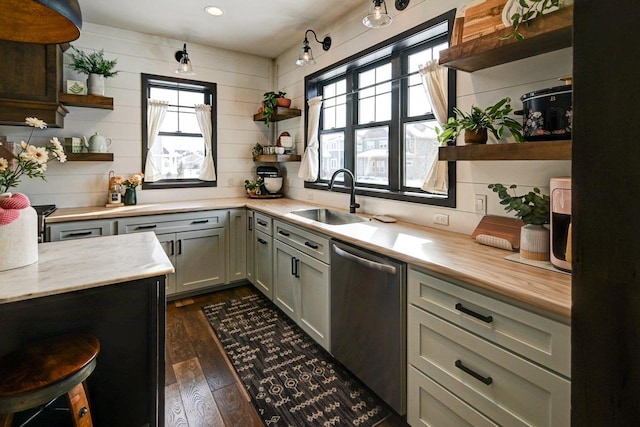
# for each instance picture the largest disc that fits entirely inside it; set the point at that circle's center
(486, 319)
(311, 245)
(293, 266)
(146, 227)
(250, 220)
(264, 242)
(284, 233)
(486, 380)
(261, 222)
(79, 234)
(200, 221)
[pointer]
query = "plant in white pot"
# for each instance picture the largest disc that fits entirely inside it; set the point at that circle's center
(533, 209)
(95, 66)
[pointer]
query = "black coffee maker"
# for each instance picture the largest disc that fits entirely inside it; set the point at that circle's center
(267, 172)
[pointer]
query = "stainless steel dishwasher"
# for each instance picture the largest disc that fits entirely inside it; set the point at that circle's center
(368, 320)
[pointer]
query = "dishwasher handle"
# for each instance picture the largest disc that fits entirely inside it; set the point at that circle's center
(365, 262)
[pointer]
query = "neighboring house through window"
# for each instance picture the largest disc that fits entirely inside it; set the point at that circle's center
(178, 132)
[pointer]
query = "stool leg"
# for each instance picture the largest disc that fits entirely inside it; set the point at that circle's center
(6, 420)
(79, 407)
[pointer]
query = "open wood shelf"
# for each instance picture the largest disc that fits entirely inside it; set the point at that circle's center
(281, 114)
(275, 158)
(543, 34)
(89, 101)
(89, 157)
(541, 150)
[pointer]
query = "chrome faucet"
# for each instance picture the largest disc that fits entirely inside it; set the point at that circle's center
(352, 203)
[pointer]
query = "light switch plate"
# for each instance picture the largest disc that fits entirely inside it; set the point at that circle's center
(480, 203)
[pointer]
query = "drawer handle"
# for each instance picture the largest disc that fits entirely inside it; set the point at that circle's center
(486, 319)
(250, 220)
(200, 221)
(284, 233)
(311, 245)
(264, 242)
(146, 227)
(79, 234)
(261, 222)
(486, 380)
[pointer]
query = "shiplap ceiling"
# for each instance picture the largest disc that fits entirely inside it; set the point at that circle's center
(258, 27)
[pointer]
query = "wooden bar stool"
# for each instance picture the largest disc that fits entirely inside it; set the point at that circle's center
(40, 372)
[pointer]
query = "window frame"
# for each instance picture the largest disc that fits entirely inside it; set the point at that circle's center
(208, 89)
(395, 49)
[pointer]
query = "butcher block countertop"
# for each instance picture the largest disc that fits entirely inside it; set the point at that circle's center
(453, 255)
(74, 265)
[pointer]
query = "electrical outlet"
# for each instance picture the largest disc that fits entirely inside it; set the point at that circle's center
(480, 202)
(441, 219)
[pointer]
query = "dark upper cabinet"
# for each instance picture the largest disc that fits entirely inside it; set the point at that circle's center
(30, 81)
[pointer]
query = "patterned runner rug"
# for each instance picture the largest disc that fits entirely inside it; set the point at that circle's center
(291, 379)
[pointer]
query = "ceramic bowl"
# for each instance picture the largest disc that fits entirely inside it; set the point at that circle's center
(273, 185)
(279, 150)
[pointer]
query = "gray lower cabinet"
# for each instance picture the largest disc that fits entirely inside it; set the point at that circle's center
(263, 263)
(237, 241)
(478, 361)
(79, 230)
(195, 243)
(250, 247)
(301, 281)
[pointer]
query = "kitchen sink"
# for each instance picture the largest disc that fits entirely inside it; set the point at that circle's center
(328, 216)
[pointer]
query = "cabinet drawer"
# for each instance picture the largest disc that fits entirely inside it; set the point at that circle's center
(173, 223)
(431, 405)
(307, 242)
(263, 223)
(80, 230)
(535, 337)
(504, 387)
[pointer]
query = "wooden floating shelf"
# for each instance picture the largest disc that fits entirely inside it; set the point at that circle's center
(281, 114)
(541, 150)
(88, 101)
(89, 157)
(275, 158)
(543, 34)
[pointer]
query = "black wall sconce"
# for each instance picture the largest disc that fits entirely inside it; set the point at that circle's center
(306, 56)
(184, 66)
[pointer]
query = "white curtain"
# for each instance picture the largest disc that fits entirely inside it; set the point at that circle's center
(434, 80)
(156, 110)
(208, 169)
(310, 162)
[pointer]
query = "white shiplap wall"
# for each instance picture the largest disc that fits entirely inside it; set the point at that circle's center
(241, 79)
(481, 88)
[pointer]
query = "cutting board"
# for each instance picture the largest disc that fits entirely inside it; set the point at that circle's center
(498, 231)
(482, 18)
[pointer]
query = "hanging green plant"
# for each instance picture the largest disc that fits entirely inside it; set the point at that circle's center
(530, 9)
(270, 105)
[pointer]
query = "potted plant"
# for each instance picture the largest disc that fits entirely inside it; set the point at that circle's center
(253, 187)
(525, 11)
(95, 66)
(271, 102)
(478, 122)
(533, 209)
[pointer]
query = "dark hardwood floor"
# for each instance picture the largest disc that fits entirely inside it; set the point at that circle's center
(201, 387)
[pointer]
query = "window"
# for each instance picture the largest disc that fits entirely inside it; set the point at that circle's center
(179, 150)
(376, 119)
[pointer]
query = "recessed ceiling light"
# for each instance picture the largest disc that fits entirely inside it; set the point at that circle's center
(213, 10)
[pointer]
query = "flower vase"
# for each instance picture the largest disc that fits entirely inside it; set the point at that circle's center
(18, 232)
(95, 84)
(130, 197)
(534, 242)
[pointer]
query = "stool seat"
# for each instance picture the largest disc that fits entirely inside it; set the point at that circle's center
(39, 372)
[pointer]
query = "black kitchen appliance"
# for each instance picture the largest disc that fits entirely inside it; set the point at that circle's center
(43, 211)
(548, 114)
(267, 172)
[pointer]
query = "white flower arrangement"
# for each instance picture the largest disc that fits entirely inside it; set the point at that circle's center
(30, 160)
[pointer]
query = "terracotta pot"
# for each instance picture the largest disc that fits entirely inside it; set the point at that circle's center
(283, 102)
(478, 136)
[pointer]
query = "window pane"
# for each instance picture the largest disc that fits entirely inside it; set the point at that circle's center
(169, 95)
(374, 103)
(420, 147)
(418, 101)
(188, 121)
(366, 110)
(333, 105)
(178, 157)
(329, 118)
(331, 153)
(383, 107)
(341, 116)
(372, 155)
(187, 98)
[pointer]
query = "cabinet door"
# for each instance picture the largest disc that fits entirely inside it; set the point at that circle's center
(313, 313)
(80, 230)
(250, 246)
(285, 292)
(201, 259)
(263, 274)
(237, 262)
(167, 241)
